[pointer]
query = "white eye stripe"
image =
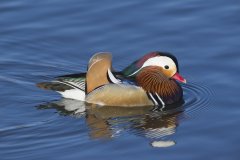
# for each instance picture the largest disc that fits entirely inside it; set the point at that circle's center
(160, 61)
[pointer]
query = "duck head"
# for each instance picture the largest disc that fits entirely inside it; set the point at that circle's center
(166, 62)
(157, 73)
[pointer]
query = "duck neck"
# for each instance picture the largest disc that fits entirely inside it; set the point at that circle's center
(153, 81)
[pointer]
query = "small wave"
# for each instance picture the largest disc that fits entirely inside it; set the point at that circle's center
(197, 97)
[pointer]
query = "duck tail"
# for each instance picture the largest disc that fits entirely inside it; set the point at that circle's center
(55, 86)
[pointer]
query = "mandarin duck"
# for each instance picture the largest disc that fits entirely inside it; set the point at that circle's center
(149, 81)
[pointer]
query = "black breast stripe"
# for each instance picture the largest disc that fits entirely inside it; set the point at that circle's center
(157, 99)
(151, 97)
(160, 99)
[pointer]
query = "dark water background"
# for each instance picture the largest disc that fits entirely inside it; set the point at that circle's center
(47, 38)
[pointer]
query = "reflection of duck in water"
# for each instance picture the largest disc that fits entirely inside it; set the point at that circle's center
(149, 81)
(152, 125)
(108, 122)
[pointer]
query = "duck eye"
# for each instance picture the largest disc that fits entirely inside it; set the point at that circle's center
(166, 67)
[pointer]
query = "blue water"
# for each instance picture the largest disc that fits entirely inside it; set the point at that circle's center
(43, 39)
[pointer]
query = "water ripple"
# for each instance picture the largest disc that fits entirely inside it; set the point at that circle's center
(197, 97)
